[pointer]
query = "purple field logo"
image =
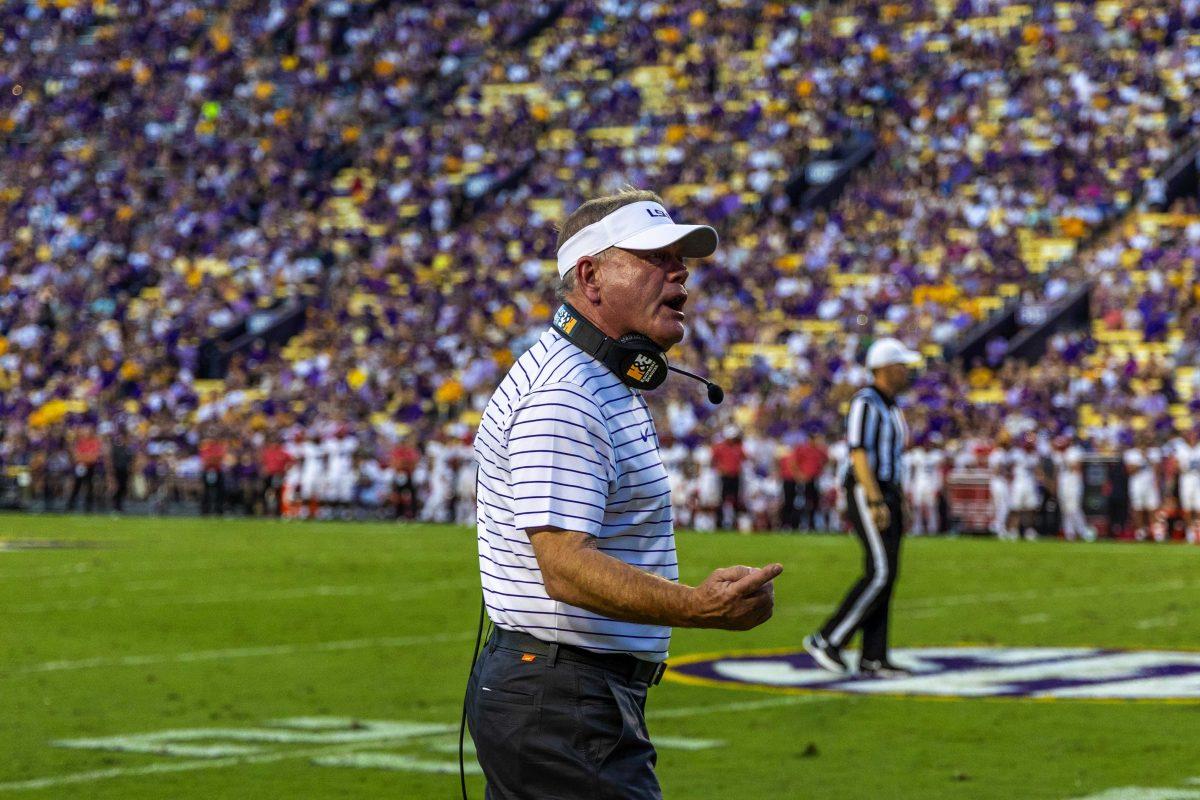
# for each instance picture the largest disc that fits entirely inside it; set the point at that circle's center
(1031, 672)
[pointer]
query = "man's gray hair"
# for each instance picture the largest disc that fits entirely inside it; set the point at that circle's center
(566, 285)
(591, 212)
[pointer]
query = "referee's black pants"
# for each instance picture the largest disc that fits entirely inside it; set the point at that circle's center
(867, 604)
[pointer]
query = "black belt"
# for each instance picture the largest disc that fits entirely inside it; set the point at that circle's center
(628, 667)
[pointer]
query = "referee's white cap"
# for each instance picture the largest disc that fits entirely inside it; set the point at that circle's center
(644, 225)
(888, 351)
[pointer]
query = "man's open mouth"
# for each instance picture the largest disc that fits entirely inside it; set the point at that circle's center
(676, 303)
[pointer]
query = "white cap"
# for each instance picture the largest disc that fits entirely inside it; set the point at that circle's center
(887, 351)
(643, 225)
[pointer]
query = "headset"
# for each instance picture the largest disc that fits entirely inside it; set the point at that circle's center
(640, 364)
(634, 358)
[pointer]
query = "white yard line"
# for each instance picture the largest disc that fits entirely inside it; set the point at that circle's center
(180, 766)
(741, 705)
(1043, 594)
(918, 607)
(266, 758)
(283, 593)
(240, 652)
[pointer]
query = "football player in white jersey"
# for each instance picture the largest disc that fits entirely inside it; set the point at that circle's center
(439, 480)
(312, 471)
(926, 475)
(465, 468)
(1187, 453)
(339, 446)
(708, 489)
(1141, 464)
(289, 498)
(914, 460)
(998, 485)
(675, 457)
(759, 480)
(1023, 494)
(839, 463)
(1068, 465)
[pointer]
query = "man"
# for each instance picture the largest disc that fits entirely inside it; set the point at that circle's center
(789, 509)
(312, 473)
(86, 451)
(998, 467)
(1187, 453)
(707, 490)
(120, 456)
(675, 458)
(811, 457)
(728, 457)
(1141, 464)
(439, 493)
(1069, 485)
(464, 477)
(403, 460)
(1023, 496)
(925, 470)
(833, 493)
(576, 540)
(274, 463)
(876, 435)
(212, 466)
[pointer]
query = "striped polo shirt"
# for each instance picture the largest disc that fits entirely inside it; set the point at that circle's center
(876, 424)
(563, 443)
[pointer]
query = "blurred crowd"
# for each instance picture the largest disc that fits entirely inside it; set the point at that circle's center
(734, 479)
(397, 169)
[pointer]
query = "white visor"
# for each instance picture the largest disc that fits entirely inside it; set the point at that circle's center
(638, 226)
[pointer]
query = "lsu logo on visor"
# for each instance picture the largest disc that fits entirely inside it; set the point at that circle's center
(564, 320)
(642, 368)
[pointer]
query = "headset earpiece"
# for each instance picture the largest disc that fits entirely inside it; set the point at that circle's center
(643, 364)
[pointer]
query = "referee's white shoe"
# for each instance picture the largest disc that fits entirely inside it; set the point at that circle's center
(826, 655)
(882, 669)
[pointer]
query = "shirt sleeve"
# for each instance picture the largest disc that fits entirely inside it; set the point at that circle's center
(856, 421)
(561, 461)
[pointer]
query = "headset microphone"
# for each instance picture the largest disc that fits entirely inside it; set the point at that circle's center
(715, 393)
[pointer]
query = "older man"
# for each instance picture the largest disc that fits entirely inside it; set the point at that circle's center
(576, 540)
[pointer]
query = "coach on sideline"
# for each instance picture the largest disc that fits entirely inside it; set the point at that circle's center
(576, 538)
(876, 435)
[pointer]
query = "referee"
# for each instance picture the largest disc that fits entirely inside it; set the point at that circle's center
(876, 435)
(576, 538)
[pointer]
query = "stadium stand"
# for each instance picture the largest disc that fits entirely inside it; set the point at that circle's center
(394, 172)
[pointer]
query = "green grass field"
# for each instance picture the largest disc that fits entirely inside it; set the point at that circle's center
(186, 624)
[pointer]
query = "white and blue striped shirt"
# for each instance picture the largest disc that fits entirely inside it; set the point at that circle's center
(563, 443)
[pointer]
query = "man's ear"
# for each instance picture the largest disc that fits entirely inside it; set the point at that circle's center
(587, 278)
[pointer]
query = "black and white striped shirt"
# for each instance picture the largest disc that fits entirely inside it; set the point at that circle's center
(876, 424)
(564, 443)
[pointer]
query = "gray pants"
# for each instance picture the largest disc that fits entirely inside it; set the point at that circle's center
(556, 729)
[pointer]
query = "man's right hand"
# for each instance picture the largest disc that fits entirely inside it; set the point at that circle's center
(736, 598)
(880, 514)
